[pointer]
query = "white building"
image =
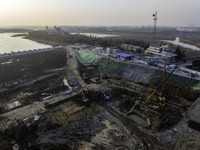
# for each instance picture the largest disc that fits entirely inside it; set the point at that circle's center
(188, 29)
(157, 50)
(163, 50)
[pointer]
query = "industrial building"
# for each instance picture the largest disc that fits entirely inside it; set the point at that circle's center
(112, 50)
(188, 29)
(132, 48)
(162, 51)
(55, 31)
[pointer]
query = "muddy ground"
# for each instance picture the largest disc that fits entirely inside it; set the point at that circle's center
(97, 124)
(27, 66)
(114, 117)
(26, 77)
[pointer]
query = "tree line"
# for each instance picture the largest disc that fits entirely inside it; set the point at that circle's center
(92, 40)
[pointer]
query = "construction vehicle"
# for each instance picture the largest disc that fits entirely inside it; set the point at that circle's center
(96, 80)
(106, 97)
(85, 77)
(84, 91)
(100, 74)
(105, 75)
(67, 92)
(162, 100)
(70, 55)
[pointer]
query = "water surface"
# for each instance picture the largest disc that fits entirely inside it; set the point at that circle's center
(9, 43)
(177, 42)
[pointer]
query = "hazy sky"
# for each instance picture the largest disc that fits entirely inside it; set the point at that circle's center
(99, 12)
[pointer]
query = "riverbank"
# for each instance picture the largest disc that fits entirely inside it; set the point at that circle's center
(19, 35)
(53, 44)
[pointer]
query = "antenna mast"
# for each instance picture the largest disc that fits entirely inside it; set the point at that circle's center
(155, 21)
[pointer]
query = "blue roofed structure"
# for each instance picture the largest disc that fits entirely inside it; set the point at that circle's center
(125, 55)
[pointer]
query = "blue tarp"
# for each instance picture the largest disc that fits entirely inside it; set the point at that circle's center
(124, 55)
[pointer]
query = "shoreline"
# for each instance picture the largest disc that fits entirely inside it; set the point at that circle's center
(20, 35)
(53, 44)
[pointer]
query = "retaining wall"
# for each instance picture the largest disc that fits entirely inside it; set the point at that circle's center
(145, 74)
(138, 73)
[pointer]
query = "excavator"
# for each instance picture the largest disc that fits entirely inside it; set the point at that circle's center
(162, 99)
(105, 75)
(98, 80)
(106, 97)
(83, 93)
(84, 75)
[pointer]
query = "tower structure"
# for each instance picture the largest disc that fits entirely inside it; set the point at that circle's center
(155, 23)
(47, 28)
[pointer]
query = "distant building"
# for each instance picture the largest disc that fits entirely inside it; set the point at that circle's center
(162, 51)
(132, 48)
(55, 31)
(157, 50)
(188, 29)
(47, 29)
(83, 45)
(112, 50)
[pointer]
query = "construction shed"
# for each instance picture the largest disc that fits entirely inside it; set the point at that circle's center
(124, 55)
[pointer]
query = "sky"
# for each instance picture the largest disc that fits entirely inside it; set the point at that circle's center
(99, 12)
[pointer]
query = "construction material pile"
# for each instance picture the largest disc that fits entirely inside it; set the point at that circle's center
(87, 58)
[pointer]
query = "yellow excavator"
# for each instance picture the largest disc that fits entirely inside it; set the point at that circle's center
(84, 75)
(161, 99)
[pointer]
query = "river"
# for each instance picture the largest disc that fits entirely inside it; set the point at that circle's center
(9, 43)
(177, 42)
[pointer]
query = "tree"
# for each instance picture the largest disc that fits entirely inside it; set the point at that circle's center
(180, 55)
(196, 63)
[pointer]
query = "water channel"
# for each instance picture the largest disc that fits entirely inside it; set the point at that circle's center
(177, 42)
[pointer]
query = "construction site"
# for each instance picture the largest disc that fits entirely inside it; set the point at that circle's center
(69, 98)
